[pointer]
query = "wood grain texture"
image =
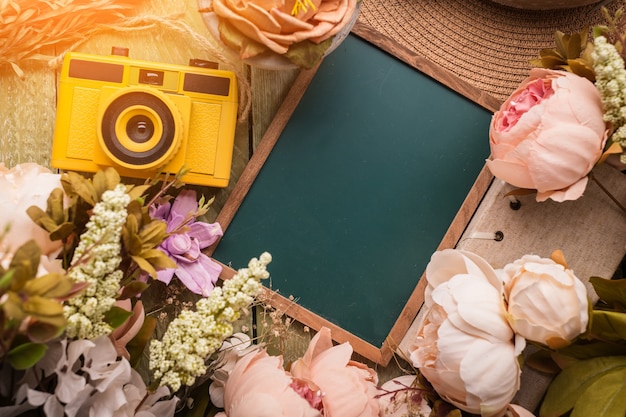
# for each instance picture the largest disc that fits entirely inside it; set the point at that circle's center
(270, 88)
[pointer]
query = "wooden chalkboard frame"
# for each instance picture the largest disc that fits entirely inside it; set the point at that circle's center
(379, 354)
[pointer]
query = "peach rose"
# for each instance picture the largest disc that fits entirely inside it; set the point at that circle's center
(465, 347)
(548, 135)
(23, 186)
(255, 26)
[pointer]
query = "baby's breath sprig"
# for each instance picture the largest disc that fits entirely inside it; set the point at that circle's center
(611, 83)
(95, 262)
(179, 357)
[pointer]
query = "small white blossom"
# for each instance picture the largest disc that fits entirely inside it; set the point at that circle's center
(611, 83)
(179, 357)
(95, 261)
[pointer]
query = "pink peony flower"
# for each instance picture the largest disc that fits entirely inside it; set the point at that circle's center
(23, 186)
(348, 388)
(548, 135)
(324, 382)
(258, 386)
(197, 271)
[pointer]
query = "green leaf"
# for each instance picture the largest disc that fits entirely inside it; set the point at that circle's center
(546, 52)
(132, 289)
(26, 355)
(56, 209)
(144, 266)
(116, 316)
(105, 180)
(6, 279)
(50, 285)
(25, 263)
(200, 395)
(41, 332)
(74, 183)
(153, 233)
(580, 67)
(62, 231)
(604, 397)
(610, 291)
(138, 343)
(132, 241)
(573, 46)
(561, 43)
(581, 351)
(608, 325)
(568, 387)
(137, 192)
(307, 54)
(37, 215)
(549, 62)
(239, 42)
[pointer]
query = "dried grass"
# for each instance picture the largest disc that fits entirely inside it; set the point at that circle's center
(27, 26)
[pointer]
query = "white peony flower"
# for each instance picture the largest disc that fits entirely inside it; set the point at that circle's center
(23, 186)
(465, 347)
(547, 303)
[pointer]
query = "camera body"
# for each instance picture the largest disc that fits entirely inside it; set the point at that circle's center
(145, 118)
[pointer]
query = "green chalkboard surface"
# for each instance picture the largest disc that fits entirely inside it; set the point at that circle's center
(360, 188)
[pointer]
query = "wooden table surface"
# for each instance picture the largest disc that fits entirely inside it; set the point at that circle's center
(27, 112)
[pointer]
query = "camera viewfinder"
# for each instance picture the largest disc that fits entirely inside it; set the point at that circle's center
(150, 77)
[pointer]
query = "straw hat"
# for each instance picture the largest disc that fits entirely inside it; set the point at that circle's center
(485, 43)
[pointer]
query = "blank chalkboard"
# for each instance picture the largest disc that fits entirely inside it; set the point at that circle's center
(360, 188)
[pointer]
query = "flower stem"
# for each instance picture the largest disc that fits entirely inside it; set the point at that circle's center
(607, 192)
(143, 400)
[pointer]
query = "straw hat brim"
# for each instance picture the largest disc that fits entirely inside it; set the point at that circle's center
(486, 44)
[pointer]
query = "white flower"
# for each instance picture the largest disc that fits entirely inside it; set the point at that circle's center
(95, 261)
(233, 349)
(611, 83)
(547, 303)
(23, 186)
(90, 380)
(465, 347)
(179, 357)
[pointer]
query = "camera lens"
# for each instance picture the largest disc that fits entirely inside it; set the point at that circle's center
(140, 129)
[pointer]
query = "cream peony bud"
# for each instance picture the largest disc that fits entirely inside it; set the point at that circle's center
(547, 303)
(465, 347)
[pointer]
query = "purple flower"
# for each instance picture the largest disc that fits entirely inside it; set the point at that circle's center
(197, 271)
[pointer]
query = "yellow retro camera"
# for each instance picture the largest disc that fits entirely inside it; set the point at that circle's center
(143, 118)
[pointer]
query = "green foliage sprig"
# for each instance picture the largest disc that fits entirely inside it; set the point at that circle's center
(592, 381)
(572, 53)
(31, 310)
